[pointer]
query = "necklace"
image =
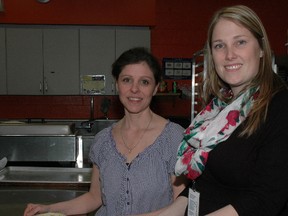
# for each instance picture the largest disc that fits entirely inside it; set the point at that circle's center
(131, 148)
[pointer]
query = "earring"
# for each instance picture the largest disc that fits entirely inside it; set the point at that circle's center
(261, 54)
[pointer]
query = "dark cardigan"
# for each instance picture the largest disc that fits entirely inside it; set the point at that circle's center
(251, 173)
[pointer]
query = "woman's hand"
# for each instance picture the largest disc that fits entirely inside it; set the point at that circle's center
(177, 208)
(33, 209)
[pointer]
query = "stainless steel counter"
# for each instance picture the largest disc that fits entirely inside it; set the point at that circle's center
(22, 185)
(21, 128)
(45, 175)
(14, 201)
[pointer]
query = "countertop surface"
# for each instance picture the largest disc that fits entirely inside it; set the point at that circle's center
(14, 175)
(22, 185)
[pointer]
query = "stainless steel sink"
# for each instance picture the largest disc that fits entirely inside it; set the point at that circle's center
(21, 128)
(60, 143)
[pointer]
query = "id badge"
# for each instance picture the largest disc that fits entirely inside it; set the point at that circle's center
(193, 202)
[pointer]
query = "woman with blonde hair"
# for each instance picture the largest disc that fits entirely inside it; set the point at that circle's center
(235, 150)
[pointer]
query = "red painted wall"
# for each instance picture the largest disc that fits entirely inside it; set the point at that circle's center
(178, 29)
(181, 26)
(100, 12)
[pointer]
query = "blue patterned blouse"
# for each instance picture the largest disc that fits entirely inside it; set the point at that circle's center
(144, 185)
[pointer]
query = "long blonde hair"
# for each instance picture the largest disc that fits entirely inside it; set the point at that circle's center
(266, 78)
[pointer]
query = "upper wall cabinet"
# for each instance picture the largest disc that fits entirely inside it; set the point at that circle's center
(42, 61)
(61, 61)
(97, 53)
(127, 38)
(24, 61)
(3, 89)
(45, 60)
(100, 46)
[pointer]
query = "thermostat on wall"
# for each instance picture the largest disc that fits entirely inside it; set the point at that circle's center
(177, 68)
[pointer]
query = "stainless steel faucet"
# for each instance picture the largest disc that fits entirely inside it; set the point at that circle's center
(92, 108)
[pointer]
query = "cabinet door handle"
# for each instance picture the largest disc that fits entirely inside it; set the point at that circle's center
(40, 87)
(46, 84)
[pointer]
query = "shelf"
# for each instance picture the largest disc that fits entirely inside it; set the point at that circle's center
(167, 94)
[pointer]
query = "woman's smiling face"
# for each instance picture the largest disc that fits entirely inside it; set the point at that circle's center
(136, 87)
(236, 54)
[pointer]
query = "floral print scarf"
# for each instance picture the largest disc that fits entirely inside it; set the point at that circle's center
(213, 125)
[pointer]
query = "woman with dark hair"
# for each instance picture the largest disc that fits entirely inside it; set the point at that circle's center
(134, 159)
(235, 150)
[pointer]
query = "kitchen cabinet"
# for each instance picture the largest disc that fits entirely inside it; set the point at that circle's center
(97, 53)
(50, 60)
(42, 61)
(24, 61)
(2, 62)
(61, 61)
(100, 46)
(127, 38)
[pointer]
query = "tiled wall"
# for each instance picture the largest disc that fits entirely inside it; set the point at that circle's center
(78, 107)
